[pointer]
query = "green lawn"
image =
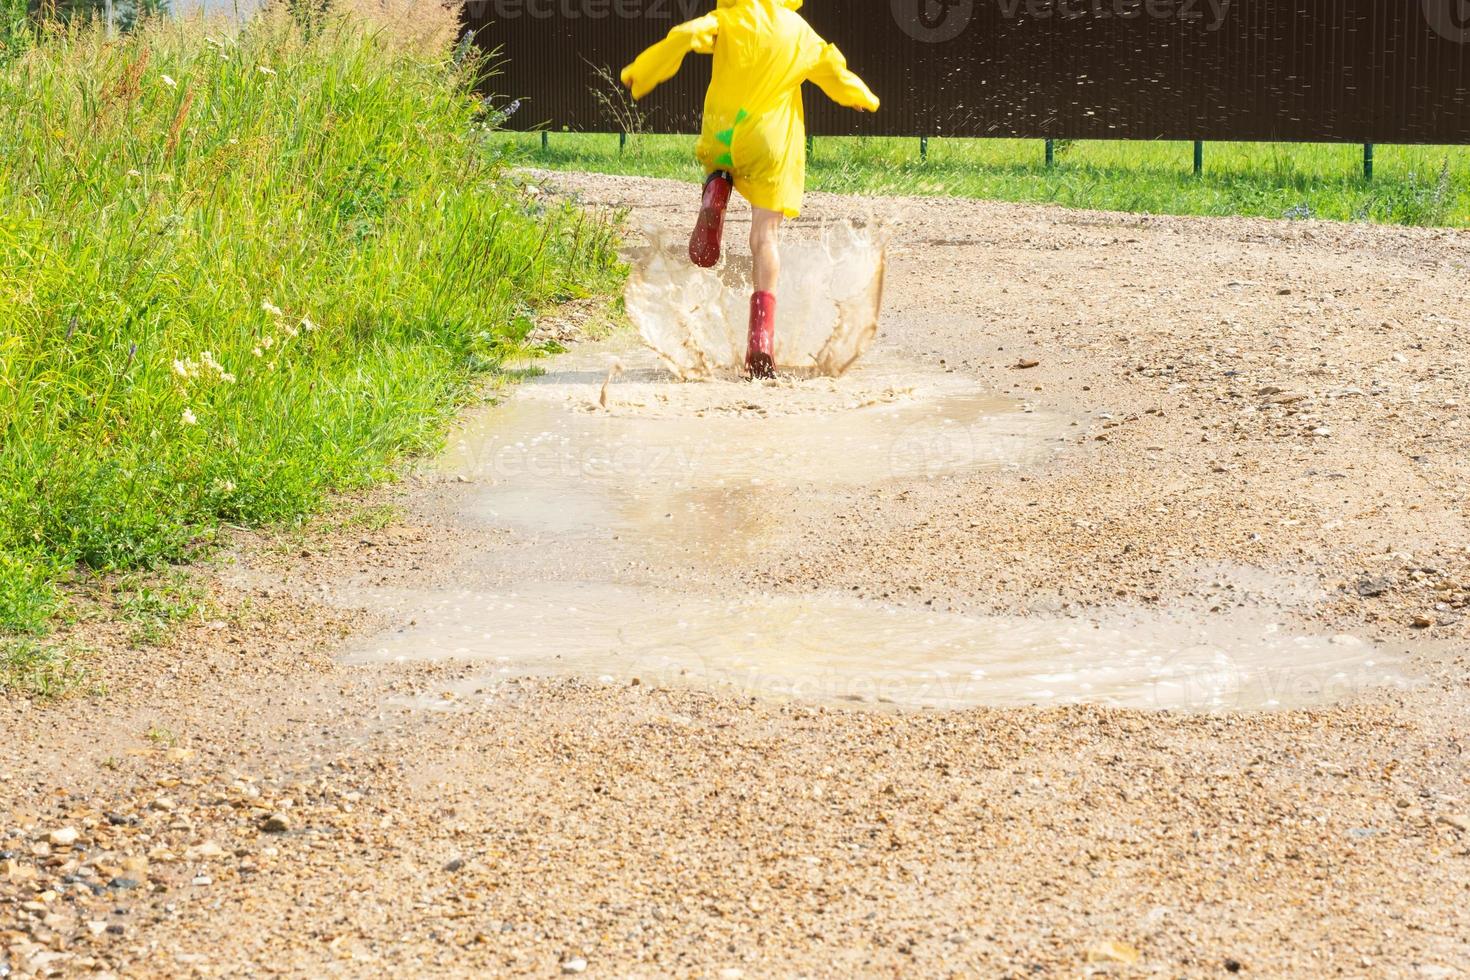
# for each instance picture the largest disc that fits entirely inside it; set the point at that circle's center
(1416, 185)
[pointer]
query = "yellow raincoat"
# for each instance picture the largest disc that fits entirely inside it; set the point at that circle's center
(754, 126)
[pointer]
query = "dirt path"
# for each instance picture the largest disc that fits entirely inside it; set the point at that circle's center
(1240, 430)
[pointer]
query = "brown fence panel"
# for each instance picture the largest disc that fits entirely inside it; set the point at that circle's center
(1389, 71)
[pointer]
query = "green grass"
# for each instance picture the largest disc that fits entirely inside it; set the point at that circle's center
(153, 604)
(1413, 185)
(38, 669)
(238, 272)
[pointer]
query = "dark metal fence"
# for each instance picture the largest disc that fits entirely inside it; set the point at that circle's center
(1391, 71)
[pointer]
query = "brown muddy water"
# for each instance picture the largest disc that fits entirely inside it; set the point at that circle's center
(609, 505)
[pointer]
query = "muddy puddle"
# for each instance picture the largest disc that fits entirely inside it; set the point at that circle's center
(834, 648)
(631, 505)
(700, 462)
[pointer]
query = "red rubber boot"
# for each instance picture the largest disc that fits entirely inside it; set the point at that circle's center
(704, 243)
(760, 361)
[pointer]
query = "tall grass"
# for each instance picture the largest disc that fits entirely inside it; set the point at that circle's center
(237, 270)
(1414, 185)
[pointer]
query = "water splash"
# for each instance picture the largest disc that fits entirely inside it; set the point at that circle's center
(826, 306)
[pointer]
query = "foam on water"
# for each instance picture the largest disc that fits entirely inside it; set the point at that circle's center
(827, 303)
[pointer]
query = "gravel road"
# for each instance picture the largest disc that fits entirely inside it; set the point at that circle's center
(1268, 416)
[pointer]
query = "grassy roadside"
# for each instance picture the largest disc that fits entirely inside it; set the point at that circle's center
(1414, 185)
(238, 272)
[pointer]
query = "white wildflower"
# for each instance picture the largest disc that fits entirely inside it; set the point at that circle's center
(307, 325)
(264, 70)
(266, 343)
(270, 307)
(186, 368)
(188, 418)
(134, 173)
(207, 359)
(223, 486)
(169, 81)
(256, 352)
(290, 330)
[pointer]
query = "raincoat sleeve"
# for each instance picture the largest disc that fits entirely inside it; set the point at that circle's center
(661, 61)
(830, 74)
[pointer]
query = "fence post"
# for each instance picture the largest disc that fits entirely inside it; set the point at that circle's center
(1051, 153)
(1367, 161)
(923, 148)
(545, 140)
(1199, 158)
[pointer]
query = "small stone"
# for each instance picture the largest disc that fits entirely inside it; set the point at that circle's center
(276, 823)
(1459, 821)
(1374, 585)
(65, 837)
(1232, 965)
(574, 965)
(122, 884)
(1420, 622)
(454, 864)
(206, 851)
(1026, 362)
(116, 928)
(203, 880)
(1113, 951)
(96, 927)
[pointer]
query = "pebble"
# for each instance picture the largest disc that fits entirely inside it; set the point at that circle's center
(1459, 821)
(276, 823)
(65, 837)
(574, 965)
(1369, 586)
(1113, 951)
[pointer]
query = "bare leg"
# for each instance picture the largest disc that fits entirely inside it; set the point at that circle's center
(766, 260)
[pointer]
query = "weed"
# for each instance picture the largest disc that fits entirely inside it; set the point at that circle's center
(153, 605)
(33, 668)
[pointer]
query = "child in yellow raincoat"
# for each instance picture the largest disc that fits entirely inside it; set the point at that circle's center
(754, 132)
